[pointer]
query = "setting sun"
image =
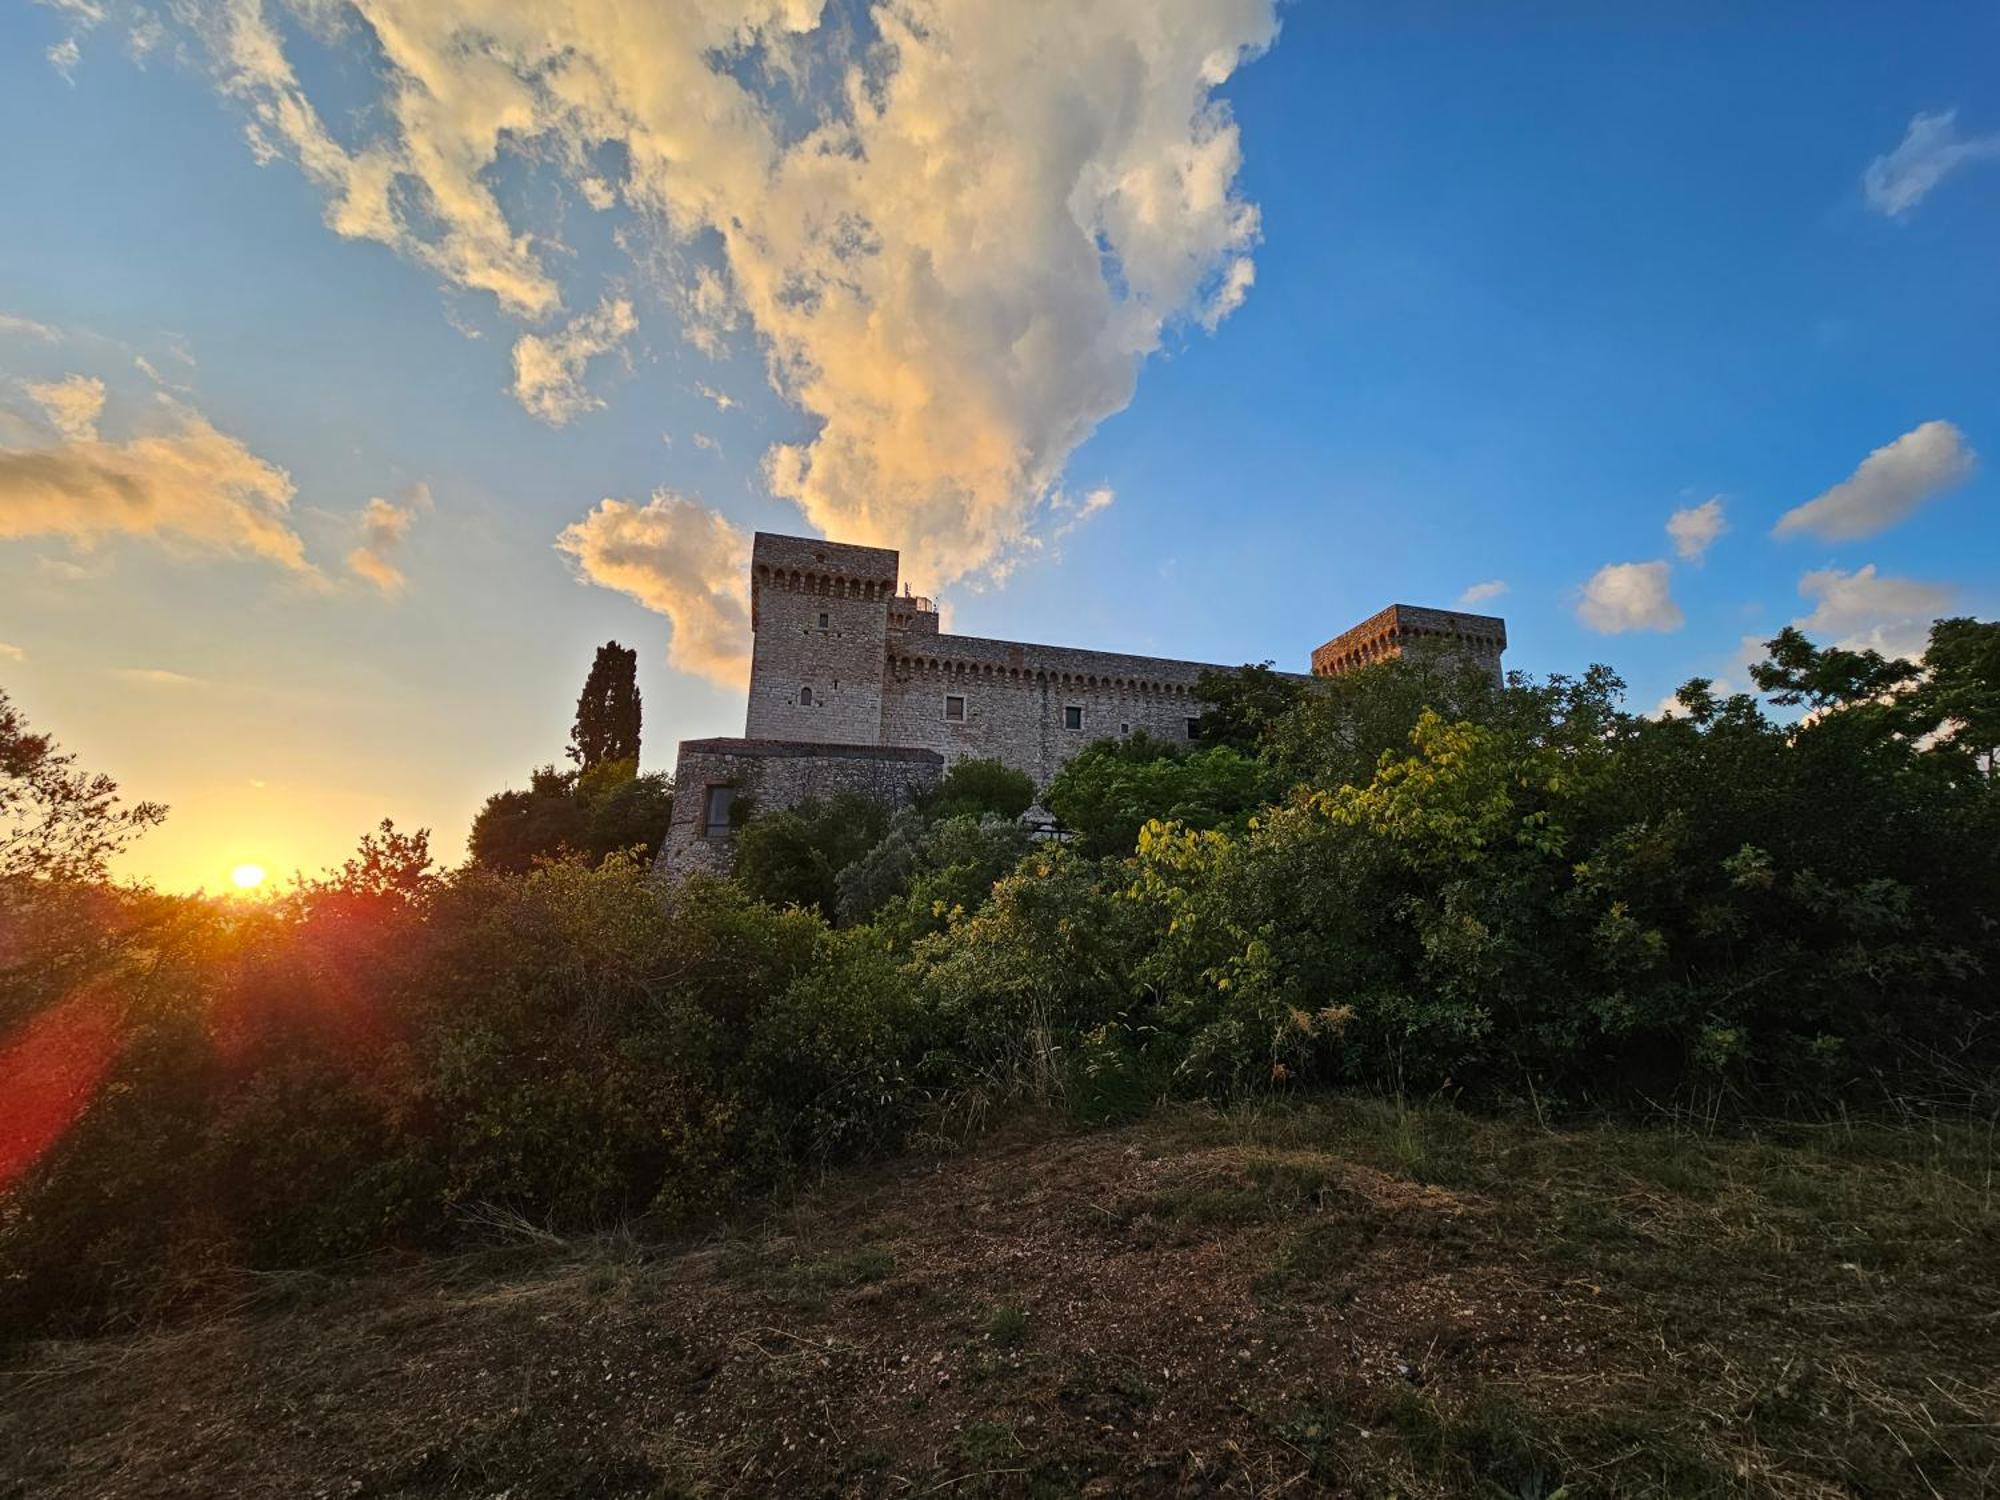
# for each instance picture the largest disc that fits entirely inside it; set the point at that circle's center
(247, 877)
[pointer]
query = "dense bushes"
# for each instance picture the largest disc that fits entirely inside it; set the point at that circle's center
(1410, 878)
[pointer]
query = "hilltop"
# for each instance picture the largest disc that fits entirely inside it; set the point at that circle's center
(1348, 1297)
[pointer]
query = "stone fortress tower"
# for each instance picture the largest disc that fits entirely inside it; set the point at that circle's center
(853, 688)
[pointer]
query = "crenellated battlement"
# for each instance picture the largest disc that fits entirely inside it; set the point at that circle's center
(860, 681)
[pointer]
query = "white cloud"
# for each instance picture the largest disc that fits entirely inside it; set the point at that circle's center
(1481, 593)
(28, 328)
(677, 557)
(1890, 483)
(72, 405)
(12, 653)
(1695, 528)
(722, 399)
(384, 524)
(1629, 596)
(706, 443)
(1930, 151)
(1863, 610)
(186, 485)
(1071, 511)
(957, 243)
(64, 56)
(548, 372)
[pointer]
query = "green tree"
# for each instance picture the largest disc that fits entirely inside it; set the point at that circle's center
(976, 788)
(1240, 708)
(1112, 789)
(793, 856)
(516, 829)
(607, 711)
(58, 822)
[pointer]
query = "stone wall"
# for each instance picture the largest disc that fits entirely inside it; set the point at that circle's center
(1015, 699)
(780, 773)
(820, 613)
(854, 689)
(1406, 627)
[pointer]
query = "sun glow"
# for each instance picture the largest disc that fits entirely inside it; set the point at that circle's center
(247, 877)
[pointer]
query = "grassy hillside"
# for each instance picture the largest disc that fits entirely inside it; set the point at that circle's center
(1347, 1298)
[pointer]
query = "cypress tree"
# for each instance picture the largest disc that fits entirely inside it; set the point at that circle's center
(607, 713)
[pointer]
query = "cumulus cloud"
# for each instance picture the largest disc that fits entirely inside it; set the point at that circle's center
(187, 485)
(1694, 529)
(1931, 150)
(1863, 610)
(1629, 596)
(956, 255)
(384, 524)
(677, 557)
(1890, 483)
(1481, 593)
(548, 372)
(72, 405)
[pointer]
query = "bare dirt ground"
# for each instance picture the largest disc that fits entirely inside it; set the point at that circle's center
(1341, 1300)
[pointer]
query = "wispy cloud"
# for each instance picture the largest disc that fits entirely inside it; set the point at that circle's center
(1930, 151)
(27, 328)
(1696, 528)
(185, 484)
(158, 677)
(384, 524)
(1630, 596)
(722, 399)
(548, 372)
(679, 558)
(1482, 593)
(12, 653)
(1890, 483)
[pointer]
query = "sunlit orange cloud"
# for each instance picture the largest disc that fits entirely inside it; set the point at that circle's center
(49, 1071)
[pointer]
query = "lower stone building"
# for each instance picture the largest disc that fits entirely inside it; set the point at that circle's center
(854, 688)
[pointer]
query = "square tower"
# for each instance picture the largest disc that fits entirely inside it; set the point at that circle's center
(1401, 628)
(819, 612)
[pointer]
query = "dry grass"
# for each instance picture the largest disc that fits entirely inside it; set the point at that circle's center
(1345, 1297)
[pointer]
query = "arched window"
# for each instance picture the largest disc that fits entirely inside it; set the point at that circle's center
(805, 697)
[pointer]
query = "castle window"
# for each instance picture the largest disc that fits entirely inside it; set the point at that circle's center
(1194, 728)
(715, 812)
(805, 697)
(823, 618)
(1073, 716)
(954, 708)
(1124, 728)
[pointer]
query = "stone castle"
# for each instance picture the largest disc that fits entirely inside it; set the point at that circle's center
(853, 688)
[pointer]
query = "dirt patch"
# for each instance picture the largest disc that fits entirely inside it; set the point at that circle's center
(1119, 1313)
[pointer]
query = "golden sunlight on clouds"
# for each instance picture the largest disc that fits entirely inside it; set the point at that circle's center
(383, 525)
(955, 262)
(186, 484)
(676, 556)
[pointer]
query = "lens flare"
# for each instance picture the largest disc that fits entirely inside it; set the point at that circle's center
(247, 877)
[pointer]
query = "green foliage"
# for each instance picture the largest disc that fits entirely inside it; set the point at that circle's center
(607, 808)
(1111, 789)
(793, 856)
(1502, 892)
(1242, 708)
(57, 822)
(981, 788)
(607, 711)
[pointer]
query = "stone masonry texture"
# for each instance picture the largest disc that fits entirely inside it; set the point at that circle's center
(854, 688)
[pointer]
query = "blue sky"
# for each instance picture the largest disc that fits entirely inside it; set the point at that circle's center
(1527, 281)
